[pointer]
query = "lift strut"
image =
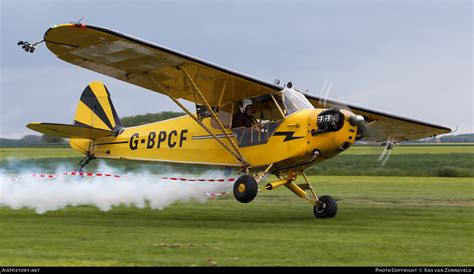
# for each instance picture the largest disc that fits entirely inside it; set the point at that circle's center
(235, 153)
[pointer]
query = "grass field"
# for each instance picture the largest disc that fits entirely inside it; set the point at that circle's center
(381, 221)
(37, 153)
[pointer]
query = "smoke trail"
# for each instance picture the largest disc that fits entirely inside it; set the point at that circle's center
(139, 190)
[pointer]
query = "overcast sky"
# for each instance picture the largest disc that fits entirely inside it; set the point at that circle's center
(411, 58)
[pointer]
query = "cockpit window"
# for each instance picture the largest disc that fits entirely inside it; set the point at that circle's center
(294, 101)
(267, 113)
(268, 108)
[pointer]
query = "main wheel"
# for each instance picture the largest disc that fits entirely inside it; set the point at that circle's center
(327, 208)
(245, 188)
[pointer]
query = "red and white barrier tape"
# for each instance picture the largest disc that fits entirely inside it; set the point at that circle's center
(215, 194)
(44, 175)
(89, 174)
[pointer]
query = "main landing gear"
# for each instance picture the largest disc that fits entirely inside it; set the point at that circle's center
(246, 188)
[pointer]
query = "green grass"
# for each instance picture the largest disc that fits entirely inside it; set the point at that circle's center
(427, 164)
(381, 221)
(412, 149)
(27, 153)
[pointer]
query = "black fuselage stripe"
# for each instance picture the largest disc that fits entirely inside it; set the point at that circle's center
(113, 143)
(209, 136)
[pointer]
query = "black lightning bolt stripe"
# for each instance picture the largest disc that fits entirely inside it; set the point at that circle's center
(89, 99)
(288, 134)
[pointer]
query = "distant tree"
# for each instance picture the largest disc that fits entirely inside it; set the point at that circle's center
(31, 139)
(52, 140)
(462, 138)
(137, 120)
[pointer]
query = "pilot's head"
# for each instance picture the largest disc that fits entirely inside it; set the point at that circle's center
(247, 107)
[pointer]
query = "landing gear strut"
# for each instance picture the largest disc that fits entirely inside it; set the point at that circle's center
(85, 161)
(323, 206)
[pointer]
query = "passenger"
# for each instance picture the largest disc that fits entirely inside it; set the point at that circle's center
(244, 117)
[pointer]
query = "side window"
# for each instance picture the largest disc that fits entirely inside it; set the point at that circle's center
(266, 109)
(268, 117)
(281, 105)
(225, 116)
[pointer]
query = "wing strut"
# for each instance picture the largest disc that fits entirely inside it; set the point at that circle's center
(237, 154)
(196, 90)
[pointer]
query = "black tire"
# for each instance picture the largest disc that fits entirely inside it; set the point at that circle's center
(245, 188)
(327, 209)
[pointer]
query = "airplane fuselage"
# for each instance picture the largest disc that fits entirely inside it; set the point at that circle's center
(292, 142)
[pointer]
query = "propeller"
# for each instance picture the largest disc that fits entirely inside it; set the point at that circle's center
(387, 151)
(359, 120)
(327, 86)
(363, 125)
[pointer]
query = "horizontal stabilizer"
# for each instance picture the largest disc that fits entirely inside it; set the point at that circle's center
(70, 131)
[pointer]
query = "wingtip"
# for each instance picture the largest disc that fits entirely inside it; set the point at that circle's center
(447, 130)
(29, 125)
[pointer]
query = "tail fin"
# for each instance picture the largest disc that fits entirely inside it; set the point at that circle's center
(95, 109)
(95, 118)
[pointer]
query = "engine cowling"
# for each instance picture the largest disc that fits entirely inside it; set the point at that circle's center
(329, 120)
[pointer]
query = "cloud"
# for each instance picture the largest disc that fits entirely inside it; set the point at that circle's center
(51, 94)
(409, 58)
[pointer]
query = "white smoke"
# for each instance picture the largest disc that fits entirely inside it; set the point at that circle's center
(138, 189)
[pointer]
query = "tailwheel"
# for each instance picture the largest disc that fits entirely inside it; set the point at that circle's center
(326, 207)
(245, 188)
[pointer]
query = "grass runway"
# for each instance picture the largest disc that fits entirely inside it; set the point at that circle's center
(381, 221)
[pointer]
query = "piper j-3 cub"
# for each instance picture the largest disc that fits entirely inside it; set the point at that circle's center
(291, 130)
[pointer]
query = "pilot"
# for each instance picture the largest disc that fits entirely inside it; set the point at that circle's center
(244, 117)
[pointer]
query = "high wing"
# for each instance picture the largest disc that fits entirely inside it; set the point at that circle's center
(383, 126)
(136, 61)
(145, 64)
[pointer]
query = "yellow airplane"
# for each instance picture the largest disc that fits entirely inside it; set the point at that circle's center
(241, 122)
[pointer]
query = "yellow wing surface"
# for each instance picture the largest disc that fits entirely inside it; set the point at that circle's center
(383, 126)
(134, 61)
(144, 64)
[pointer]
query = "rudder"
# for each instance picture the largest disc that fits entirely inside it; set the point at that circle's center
(95, 109)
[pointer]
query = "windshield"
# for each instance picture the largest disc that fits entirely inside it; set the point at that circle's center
(294, 101)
